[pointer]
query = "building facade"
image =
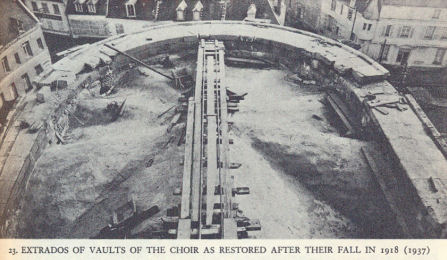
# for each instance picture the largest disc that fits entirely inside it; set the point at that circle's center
(104, 18)
(51, 14)
(23, 52)
(303, 14)
(396, 33)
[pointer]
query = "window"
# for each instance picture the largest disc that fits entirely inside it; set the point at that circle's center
(38, 69)
(15, 26)
(333, 5)
(300, 12)
(439, 56)
(17, 57)
(5, 65)
(405, 32)
(35, 8)
(444, 33)
(341, 9)
(78, 7)
(13, 91)
(91, 8)
(369, 27)
(350, 14)
(50, 24)
(56, 9)
(27, 49)
(40, 43)
(436, 14)
(119, 28)
(130, 8)
(28, 83)
(45, 8)
(429, 32)
(402, 56)
(388, 30)
(386, 50)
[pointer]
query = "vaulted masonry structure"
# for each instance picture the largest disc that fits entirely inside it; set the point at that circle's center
(420, 163)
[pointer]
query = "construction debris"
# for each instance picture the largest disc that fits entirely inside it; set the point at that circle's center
(115, 110)
(107, 82)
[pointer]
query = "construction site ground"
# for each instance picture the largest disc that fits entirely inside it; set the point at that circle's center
(305, 180)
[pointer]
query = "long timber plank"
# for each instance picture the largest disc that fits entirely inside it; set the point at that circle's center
(184, 229)
(197, 141)
(230, 229)
(211, 175)
(187, 165)
(224, 150)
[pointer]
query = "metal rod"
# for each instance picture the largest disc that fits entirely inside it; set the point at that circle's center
(138, 61)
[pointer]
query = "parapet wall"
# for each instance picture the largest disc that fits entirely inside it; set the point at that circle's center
(351, 73)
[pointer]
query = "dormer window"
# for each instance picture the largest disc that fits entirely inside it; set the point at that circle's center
(181, 8)
(130, 8)
(197, 11)
(251, 12)
(91, 6)
(79, 5)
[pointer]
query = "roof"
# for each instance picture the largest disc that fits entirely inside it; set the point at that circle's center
(101, 7)
(198, 6)
(17, 12)
(417, 3)
(145, 9)
(237, 9)
(182, 6)
(360, 5)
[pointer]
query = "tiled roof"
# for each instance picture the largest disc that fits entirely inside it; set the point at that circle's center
(101, 7)
(13, 11)
(417, 3)
(237, 9)
(145, 9)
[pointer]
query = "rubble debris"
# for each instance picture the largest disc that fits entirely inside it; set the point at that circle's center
(173, 122)
(167, 63)
(122, 229)
(107, 82)
(317, 117)
(241, 190)
(115, 110)
(35, 127)
(149, 163)
(295, 78)
(178, 191)
(23, 125)
(235, 165)
(181, 139)
(40, 98)
(344, 113)
(182, 78)
(166, 111)
(232, 96)
(144, 71)
(246, 62)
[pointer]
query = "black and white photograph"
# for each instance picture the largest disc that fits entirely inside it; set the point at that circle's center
(223, 119)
